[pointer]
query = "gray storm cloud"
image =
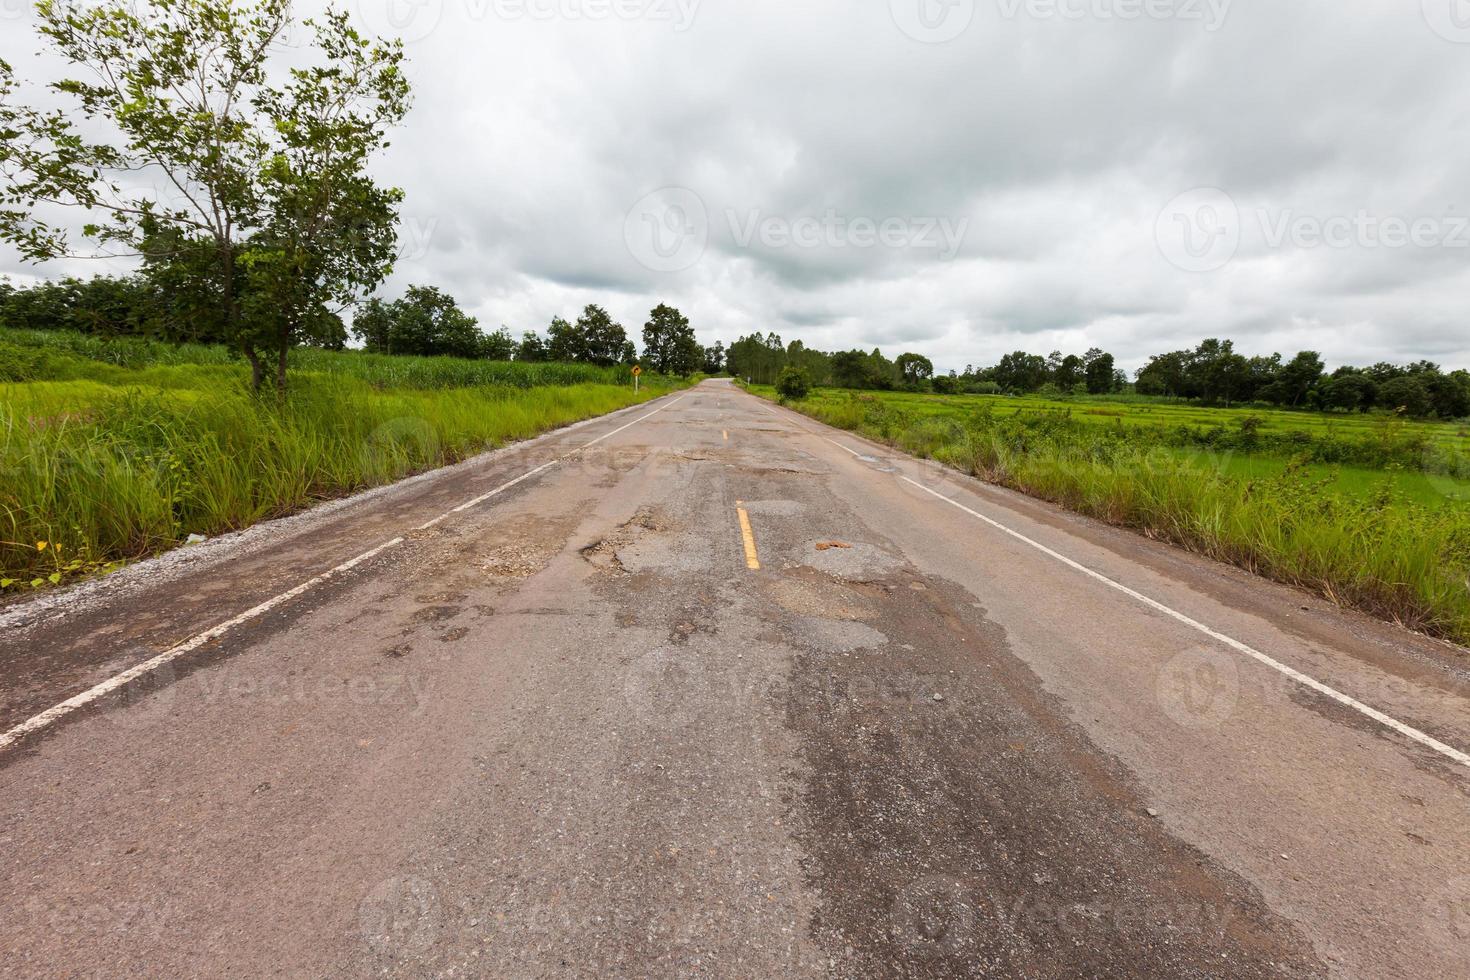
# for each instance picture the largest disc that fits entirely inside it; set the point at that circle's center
(964, 178)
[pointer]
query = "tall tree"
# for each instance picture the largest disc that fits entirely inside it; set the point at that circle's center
(603, 338)
(1020, 372)
(714, 358)
(1098, 368)
(531, 348)
(669, 344)
(498, 346)
(565, 343)
(1069, 373)
(914, 369)
(426, 322)
(263, 215)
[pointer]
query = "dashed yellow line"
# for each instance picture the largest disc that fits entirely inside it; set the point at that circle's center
(752, 560)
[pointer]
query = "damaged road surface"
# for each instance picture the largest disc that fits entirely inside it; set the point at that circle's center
(572, 729)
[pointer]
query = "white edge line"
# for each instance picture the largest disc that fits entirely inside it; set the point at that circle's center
(59, 711)
(71, 704)
(1406, 730)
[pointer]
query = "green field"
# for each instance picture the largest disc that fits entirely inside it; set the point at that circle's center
(113, 450)
(1370, 511)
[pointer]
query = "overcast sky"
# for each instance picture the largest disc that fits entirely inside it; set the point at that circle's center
(960, 178)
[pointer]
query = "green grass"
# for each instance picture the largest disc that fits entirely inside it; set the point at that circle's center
(116, 450)
(1159, 413)
(1381, 536)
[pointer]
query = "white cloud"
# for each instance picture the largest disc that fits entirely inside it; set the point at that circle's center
(1058, 139)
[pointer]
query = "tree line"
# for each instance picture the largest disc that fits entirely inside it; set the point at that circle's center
(1212, 373)
(1215, 373)
(762, 359)
(425, 322)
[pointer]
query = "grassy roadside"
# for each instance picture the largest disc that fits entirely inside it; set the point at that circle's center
(1403, 557)
(108, 460)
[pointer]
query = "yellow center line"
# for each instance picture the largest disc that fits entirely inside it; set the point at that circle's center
(752, 561)
(726, 434)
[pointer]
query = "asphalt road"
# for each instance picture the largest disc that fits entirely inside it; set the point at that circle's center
(717, 691)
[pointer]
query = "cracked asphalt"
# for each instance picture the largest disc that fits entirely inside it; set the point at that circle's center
(568, 732)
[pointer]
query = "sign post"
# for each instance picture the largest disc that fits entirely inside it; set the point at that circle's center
(636, 372)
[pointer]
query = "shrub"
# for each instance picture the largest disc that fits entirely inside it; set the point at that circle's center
(793, 384)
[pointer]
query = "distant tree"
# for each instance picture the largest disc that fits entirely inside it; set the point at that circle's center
(1295, 380)
(1405, 394)
(372, 325)
(861, 369)
(425, 322)
(1098, 369)
(946, 384)
(498, 346)
(565, 343)
(1346, 393)
(1449, 394)
(914, 369)
(714, 358)
(103, 305)
(669, 345)
(1020, 372)
(1164, 374)
(603, 339)
(531, 348)
(1069, 373)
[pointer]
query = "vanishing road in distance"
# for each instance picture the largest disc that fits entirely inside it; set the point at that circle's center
(703, 688)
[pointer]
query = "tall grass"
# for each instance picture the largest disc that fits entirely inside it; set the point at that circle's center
(1380, 552)
(59, 355)
(117, 462)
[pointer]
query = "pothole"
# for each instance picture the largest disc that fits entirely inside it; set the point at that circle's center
(857, 563)
(836, 635)
(603, 554)
(514, 561)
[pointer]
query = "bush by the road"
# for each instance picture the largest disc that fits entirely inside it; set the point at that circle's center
(793, 383)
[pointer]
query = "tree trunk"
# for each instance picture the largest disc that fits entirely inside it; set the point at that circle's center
(281, 370)
(232, 307)
(257, 368)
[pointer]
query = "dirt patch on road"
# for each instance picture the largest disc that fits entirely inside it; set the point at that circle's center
(957, 823)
